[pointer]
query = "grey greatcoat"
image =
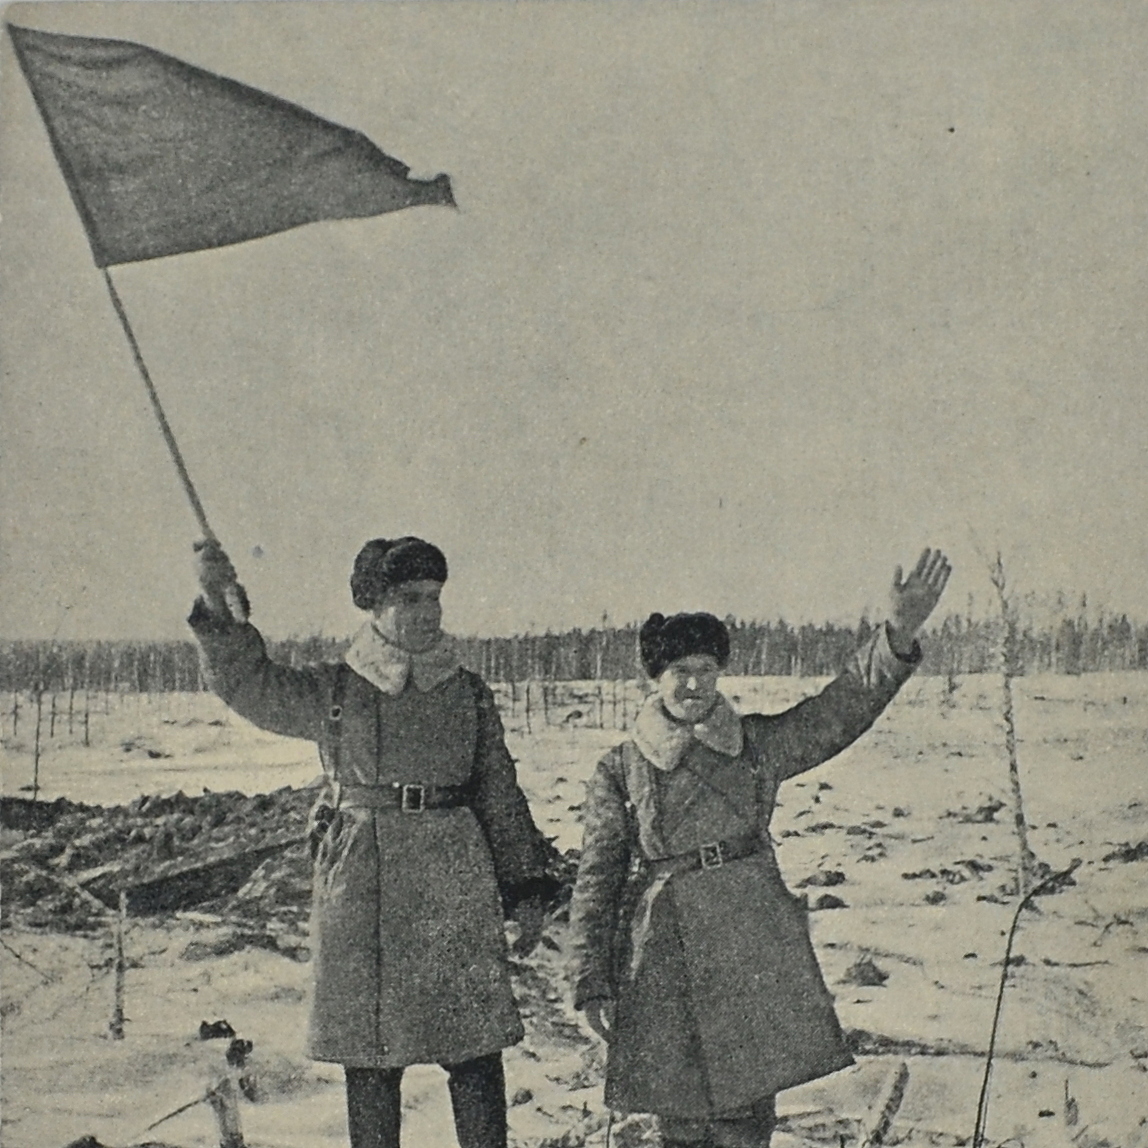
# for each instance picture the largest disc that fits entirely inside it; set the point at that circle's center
(410, 953)
(719, 998)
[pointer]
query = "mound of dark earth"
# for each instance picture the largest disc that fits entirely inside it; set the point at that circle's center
(241, 857)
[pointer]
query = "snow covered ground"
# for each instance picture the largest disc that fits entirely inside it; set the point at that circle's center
(904, 829)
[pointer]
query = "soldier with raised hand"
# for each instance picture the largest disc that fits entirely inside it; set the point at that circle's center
(690, 956)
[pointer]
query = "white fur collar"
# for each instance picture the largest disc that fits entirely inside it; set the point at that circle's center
(388, 667)
(664, 742)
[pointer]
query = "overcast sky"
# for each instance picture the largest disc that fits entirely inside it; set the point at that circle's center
(745, 304)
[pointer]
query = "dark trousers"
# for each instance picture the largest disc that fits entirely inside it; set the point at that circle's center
(477, 1095)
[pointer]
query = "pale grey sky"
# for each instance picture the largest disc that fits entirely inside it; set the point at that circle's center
(745, 304)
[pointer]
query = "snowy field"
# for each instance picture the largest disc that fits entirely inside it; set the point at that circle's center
(904, 829)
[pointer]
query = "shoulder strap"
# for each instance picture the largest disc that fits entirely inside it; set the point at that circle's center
(757, 768)
(334, 722)
(477, 685)
(622, 758)
(754, 752)
(641, 799)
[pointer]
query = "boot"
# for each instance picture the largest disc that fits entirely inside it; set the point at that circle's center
(751, 1131)
(478, 1096)
(374, 1106)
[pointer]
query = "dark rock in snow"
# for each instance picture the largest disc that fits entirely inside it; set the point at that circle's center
(829, 901)
(865, 971)
(983, 814)
(215, 1030)
(823, 878)
(1137, 852)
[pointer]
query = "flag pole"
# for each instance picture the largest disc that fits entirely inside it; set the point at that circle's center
(164, 426)
(234, 601)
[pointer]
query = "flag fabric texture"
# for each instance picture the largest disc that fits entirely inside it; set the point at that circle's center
(162, 157)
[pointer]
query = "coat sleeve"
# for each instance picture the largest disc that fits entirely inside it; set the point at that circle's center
(598, 891)
(820, 727)
(516, 845)
(277, 698)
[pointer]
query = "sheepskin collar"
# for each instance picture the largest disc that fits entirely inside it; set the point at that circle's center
(664, 741)
(389, 667)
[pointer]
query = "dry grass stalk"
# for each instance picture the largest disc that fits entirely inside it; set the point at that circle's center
(1026, 861)
(886, 1107)
(36, 744)
(224, 1103)
(116, 1024)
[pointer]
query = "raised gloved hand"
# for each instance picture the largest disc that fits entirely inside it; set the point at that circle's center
(218, 582)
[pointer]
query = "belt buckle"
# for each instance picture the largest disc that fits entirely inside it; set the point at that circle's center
(710, 855)
(412, 798)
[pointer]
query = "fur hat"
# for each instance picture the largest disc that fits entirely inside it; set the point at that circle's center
(386, 562)
(663, 640)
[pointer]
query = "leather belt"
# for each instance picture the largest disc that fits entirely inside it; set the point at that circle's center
(711, 855)
(405, 798)
(662, 870)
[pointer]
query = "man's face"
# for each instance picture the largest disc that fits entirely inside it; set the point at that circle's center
(688, 686)
(410, 615)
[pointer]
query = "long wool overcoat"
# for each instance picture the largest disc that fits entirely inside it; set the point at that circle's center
(407, 918)
(719, 998)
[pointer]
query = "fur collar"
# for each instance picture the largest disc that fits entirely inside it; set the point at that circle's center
(389, 667)
(664, 741)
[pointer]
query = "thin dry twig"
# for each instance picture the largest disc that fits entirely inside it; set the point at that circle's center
(49, 978)
(1049, 883)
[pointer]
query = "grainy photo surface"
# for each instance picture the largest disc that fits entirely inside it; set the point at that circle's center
(573, 574)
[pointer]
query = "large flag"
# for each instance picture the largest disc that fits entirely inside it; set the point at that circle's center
(163, 157)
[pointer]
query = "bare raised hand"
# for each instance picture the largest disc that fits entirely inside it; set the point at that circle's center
(912, 599)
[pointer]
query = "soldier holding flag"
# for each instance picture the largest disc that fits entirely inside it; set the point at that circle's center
(422, 843)
(427, 840)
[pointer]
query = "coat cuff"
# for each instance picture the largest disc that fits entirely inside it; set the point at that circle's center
(877, 667)
(912, 658)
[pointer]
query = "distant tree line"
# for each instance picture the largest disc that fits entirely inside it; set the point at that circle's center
(960, 645)
(100, 666)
